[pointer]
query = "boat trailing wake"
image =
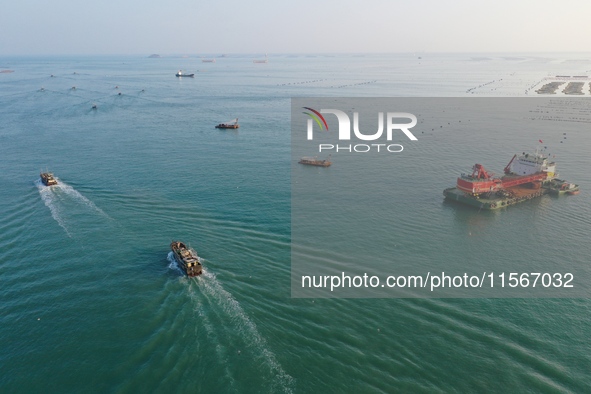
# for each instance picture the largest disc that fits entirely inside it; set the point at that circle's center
(47, 196)
(212, 289)
(51, 196)
(205, 322)
(70, 191)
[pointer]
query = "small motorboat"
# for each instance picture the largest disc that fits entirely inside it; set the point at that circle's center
(233, 124)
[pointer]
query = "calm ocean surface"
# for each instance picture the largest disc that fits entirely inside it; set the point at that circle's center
(90, 300)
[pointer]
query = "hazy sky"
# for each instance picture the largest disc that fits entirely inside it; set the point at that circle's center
(305, 26)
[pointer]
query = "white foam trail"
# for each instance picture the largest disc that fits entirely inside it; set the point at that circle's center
(70, 191)
(173, 265)
(212, 289)
(203, 318)
(48, 198)
(204, 321)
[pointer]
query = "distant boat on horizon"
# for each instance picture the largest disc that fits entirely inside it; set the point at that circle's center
(208, 60)
(260, 61)
(180, 74)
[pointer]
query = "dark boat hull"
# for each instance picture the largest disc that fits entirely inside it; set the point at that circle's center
(227, 126)
(185, 75)
(318, 163)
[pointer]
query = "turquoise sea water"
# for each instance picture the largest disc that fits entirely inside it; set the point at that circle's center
(91, 301)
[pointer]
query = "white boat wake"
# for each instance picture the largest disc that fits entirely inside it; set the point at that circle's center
(70, 191)
(51, 196)
(172, 264)
(212, 289)
(49, 200)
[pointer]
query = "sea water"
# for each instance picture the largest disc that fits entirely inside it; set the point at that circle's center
(91, 300)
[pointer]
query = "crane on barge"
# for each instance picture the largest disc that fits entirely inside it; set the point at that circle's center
(526, 176)
(529, 168)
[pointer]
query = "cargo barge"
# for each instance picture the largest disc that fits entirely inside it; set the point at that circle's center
(180, 74)
(186, 258)
(314, 161)
(526, 177)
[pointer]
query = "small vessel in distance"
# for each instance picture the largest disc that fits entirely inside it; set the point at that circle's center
(48, 179)
(186, 258)
(180, 74)
(232, 124)
(262, 61)
(314, 161)
(208, 60)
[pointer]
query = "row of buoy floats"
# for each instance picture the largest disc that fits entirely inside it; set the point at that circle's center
(94, 105)
(354, 84)
(534, 85)
(471, 90)
(301, 83)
